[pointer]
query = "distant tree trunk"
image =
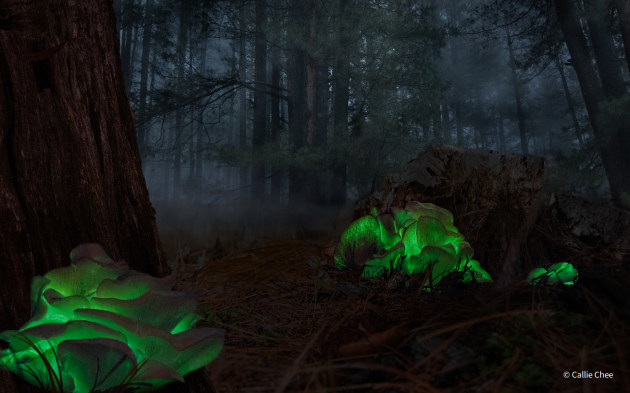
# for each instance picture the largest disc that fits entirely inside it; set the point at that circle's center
(296, 79)
(518, 97)
(144, 74)
(134, 50)
(311, 77)
(277, 184)
(69, 164)
(313, 92)
(446, 114)
(436, 122)
(501, 132)
(323, 104)
(182, 40)
(613, 141)
(297, 123)
(199, 136)
(260, 104)
(127, 35)
(459, 122)
(341, 79)
(242, 101)
(118, 11)
(570, 103)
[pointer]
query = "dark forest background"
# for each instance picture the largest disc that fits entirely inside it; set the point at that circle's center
(315, 101)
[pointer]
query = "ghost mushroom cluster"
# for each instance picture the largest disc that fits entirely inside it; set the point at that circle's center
(408, 240)
(98, 326)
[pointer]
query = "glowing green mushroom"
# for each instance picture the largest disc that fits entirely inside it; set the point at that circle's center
(409, 240)
(357, 241)
(558, 273)
(97, 326)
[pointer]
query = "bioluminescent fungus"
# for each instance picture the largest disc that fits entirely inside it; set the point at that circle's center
(409, 240)
(98, 326)
(558, 273)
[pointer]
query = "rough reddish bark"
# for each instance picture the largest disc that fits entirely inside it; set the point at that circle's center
(69, 164)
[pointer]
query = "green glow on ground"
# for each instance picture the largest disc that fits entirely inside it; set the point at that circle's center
(408, 240)
(558, 273)
(96, 325)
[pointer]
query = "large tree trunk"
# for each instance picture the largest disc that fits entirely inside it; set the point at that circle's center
(69, 164)
(613, 139)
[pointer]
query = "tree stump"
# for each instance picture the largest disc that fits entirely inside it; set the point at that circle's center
(495, 199)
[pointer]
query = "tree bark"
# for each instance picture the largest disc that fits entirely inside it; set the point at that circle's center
(70, 169)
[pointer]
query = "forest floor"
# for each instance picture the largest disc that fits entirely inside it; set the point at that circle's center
(295, 323)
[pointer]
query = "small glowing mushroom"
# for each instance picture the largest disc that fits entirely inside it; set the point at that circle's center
(558, 273)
